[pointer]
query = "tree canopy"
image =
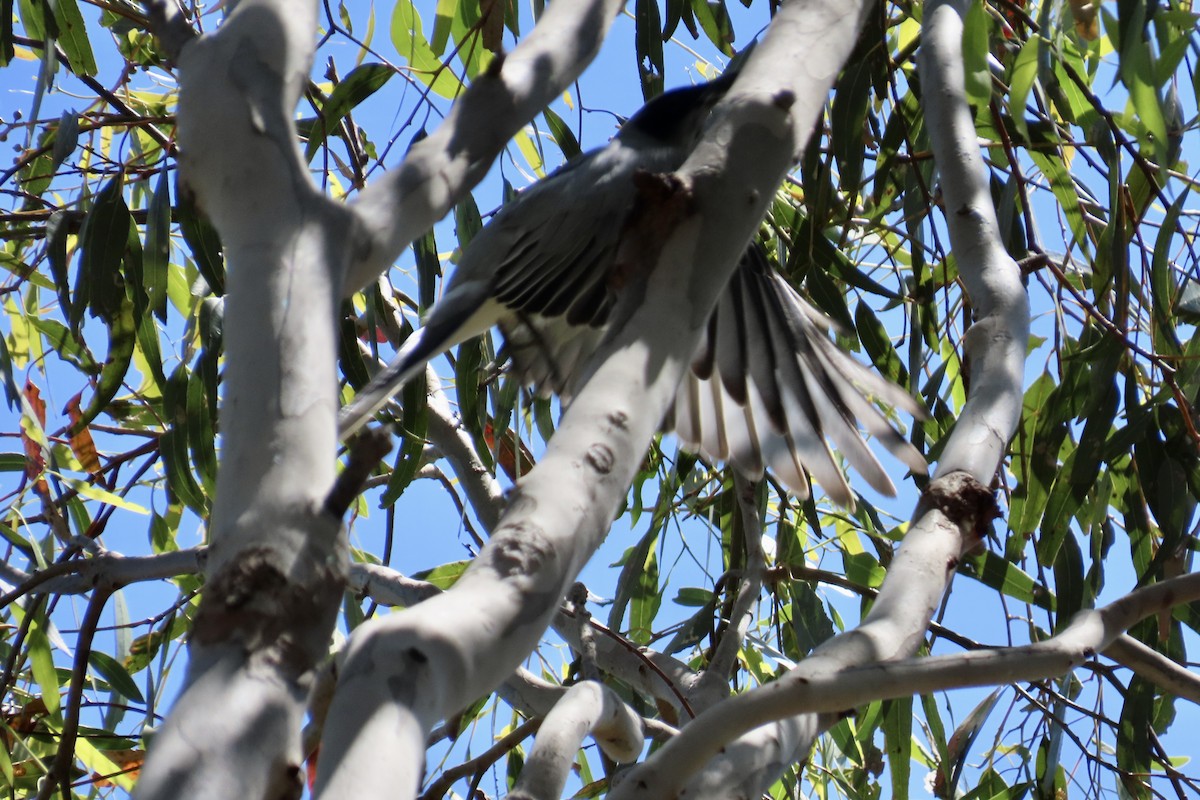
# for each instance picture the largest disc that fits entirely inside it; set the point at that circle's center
(214, 216)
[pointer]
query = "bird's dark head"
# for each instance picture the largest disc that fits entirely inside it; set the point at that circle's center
(676, 117)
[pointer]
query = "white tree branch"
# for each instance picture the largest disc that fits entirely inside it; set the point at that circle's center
(529, 694)
(713, 684)
(388, 587)
(523, 690)
(1171, 677)
(820, 685)
(748, 766)
(439, 169)
(656, 676)
(276, 562)
(833, 691)
(452, 442)
(406, 671)
(82, 575)
(587, 707)
(456, 446)
(995, 344)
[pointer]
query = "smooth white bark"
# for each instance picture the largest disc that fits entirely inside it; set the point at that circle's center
(408, 670)
(107, 567)
(996, 343)
(1090, 632)
(669, 682)
(748, 766)
(283, 249)
(1159, 669)
(655, 676)
(712, 686)
(585, 708)
(276, 562)
(454, 443)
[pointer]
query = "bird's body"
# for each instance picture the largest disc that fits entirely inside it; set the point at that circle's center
(766, 386)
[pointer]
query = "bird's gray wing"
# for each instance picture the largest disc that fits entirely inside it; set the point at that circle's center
(556, 282)
(543, 262)
(768, 387)
(557, 298)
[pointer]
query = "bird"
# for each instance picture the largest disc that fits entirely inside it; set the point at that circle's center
(766, 385)
(549, 250)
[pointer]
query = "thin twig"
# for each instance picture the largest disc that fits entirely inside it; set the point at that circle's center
(365, 453)
(60, 770)
(481, 762)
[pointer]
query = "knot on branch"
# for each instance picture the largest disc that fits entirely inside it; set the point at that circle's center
(521, 550)
(784, 100)
(600, 458)
(965, 501)
(251, 601)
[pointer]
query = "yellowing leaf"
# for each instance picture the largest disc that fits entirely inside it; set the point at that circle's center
(81, 440)
(110, 767)
(529, 150)
(409, 40)
(103, 495)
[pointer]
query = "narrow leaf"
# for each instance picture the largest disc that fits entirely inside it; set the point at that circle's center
(122, 336)
(202, 239)
(562, 134)
(81, 439)
(156, 258)
(414, 422)
(408, 38)
(72, 35)
(648, 47)
(115, 674)
(361, 83)
(41, 662)
(104, 239)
